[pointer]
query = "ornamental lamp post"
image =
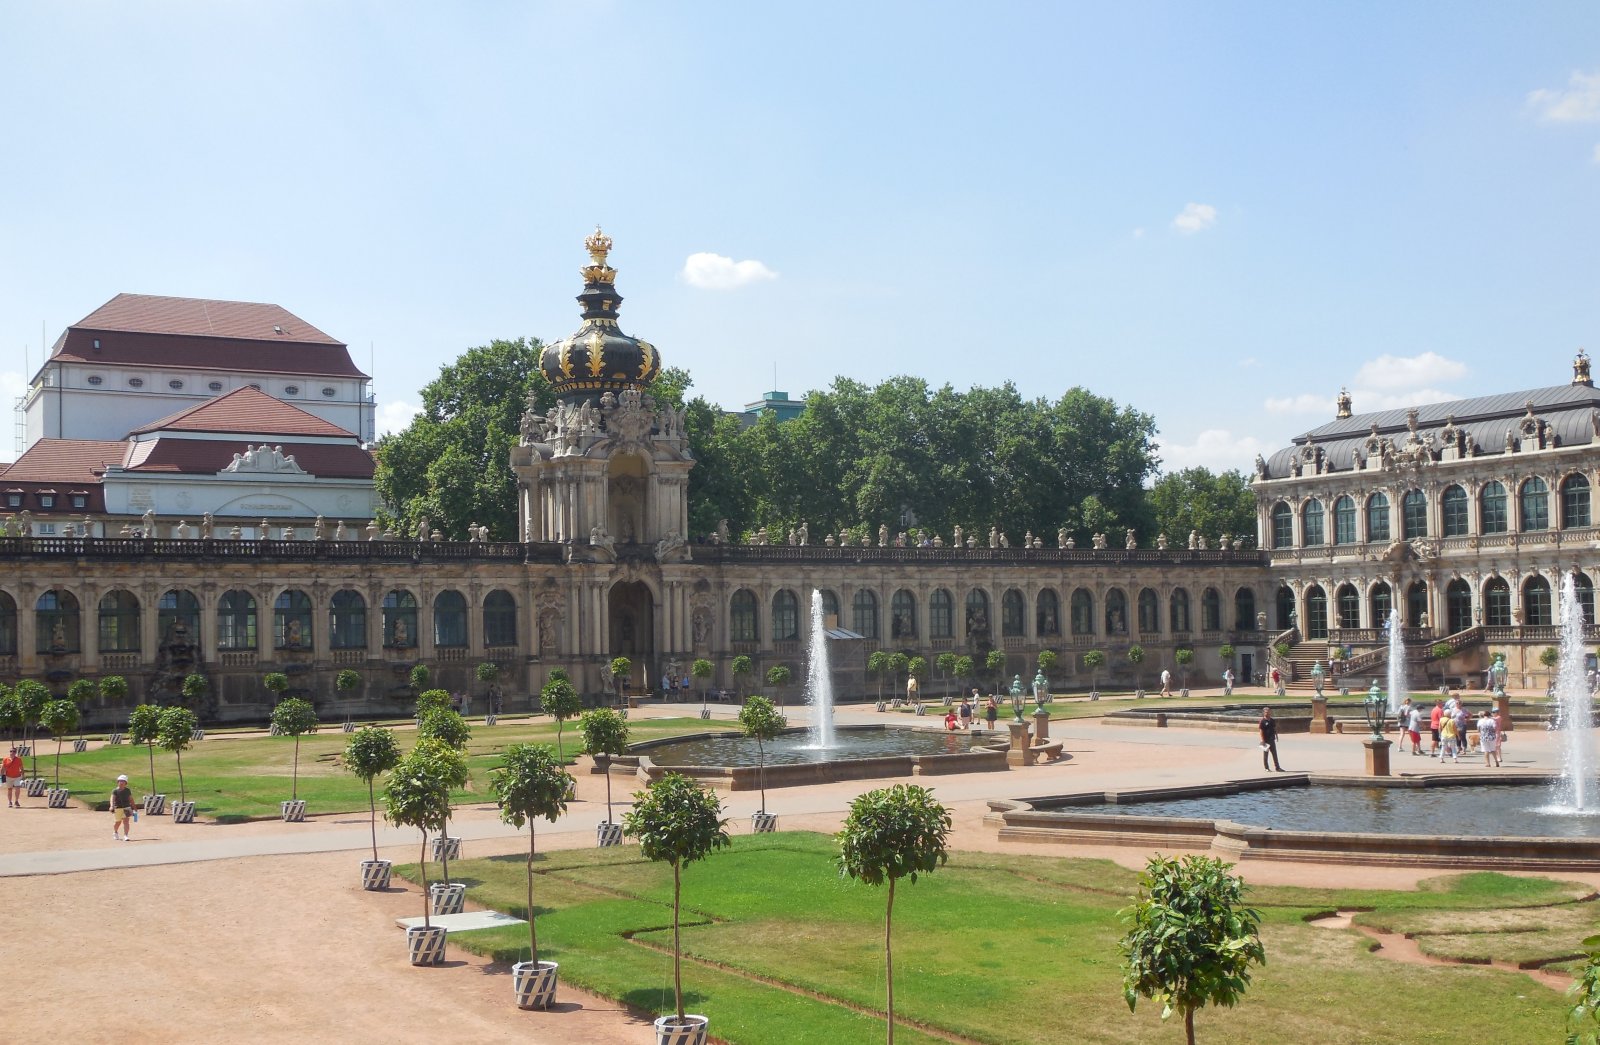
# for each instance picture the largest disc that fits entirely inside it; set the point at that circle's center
(1376, 708)
(1016, 696)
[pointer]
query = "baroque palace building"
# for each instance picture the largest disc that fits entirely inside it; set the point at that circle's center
(1356, 516)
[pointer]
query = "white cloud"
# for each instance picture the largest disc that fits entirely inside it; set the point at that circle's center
(1578, 103)
(1138, 233)
(1596, 156)
(1215, 448)
(1304, 403)
(1384, 383)
(714, 272)
(1195, 217)
(394, 416)
(1248, 362)
(1405, 372)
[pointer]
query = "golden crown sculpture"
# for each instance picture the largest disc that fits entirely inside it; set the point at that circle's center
(598, 244)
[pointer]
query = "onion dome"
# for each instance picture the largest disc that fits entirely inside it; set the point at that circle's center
(598, 357)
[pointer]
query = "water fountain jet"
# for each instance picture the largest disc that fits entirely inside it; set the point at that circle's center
(1574, 710)
(1397, 663)
(819, 678)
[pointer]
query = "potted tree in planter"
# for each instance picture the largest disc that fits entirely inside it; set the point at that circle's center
(31, 696)
(449, 731)
(194, 688)
(762, 722)
(277, 683)
(346, 683)
(488, 673)
(1226, 652)
(418, 795)
(10, 714)
(144, 727)
(702, 669)
(899, 663)
(113, 688)
(1136, 658)
(529, 784)
(418, 680)
(176, 732)
(370, 752)
(559, 699)
(1047, 664)
(677, 821)
(60, 717)
(995, 665)
(778, 677)
(294, 718)
(1094, 660)
(621, 673)
(1184, 656)
(893, 833)
(946, 663)
(605, 733)
(878, 664)
(963, 670)
(743, 667)
(81, 693)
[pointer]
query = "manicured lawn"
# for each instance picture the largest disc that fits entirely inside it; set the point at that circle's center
(243, 778)
(999, 949)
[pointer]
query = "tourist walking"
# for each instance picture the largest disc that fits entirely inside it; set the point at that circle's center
(1227, 682)
(1435, 720)
(1269, 740)
(1489, 738)
(1447, 729)
(11, 776)
(966, 712)
(991, 712)
(121, 810)
(1463, 723)
(1166, 683)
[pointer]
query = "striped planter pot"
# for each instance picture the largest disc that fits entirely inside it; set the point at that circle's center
(24, 750)
(426, 944)
(534, 984)
(447, 897)
(294, 811)
(765, 823)
(36, 787)
(198, 734)
(114, 740)
(922, 709)
(624, 714)
(349, 727)
(490, 720)
(58, 797)
(446, 848)
(705, 712)
(375, 874)
(882, 706)
(79, 746)
(155, 805)
(691, 1031)
(607, 834)
(183, 812)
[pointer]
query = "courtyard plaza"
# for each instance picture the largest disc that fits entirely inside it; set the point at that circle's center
(260, 931)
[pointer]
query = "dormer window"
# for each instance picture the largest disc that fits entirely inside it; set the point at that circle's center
(47, 500)
(135, 382)
(14, 499)
(330, 392)
(96, 379)
(175, 384)
(97, 344)
(291, 390)
(215, 386)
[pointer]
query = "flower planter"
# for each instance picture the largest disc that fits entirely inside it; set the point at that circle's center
(294, 811)
(79, 746)
(445, 848)
(534, 984)
(607, 834)
(36, 787)
(765, 823)
(114, 740)
(426, 944)
(58, 797)
(183, 812)
(375, 874)
(447, 897)
(155, 805)
(691, 1031)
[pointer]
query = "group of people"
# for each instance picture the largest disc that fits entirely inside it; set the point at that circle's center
(960, 718)
(1449, 724)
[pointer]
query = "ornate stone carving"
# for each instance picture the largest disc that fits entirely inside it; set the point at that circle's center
(263, 459)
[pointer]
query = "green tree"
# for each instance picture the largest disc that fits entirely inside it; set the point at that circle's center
(1583, 1019)
(452, 464)
(762, 722)
(878, 664)
(917, 668)
(1136, 658)
(488, 673)
(946, 662)
(175, 733)
(10, 712)
(779, 676)
(31, 697)
(445, 726)
(995, 665)
(1226, 652)
(621, 671)
(113, 688)
(419, 678)
(1047, 661)
(1197, 499)
(277, 683)
(81, 693)
(347, 682)
(194, 687)
(530, 784)
(452, 762)
(899, 664)
(559, 699)
(1094, 660)
(1184, 656)
(418, 795)
(431, 700)
(294, 717)
(1549, 657)
(60, 717)
(1190, 940)
(370, 752)
(702, 669)
(742, 667)
(677, 822)
(893, 833)
(144, 727)
(605, 733)
(963, 667)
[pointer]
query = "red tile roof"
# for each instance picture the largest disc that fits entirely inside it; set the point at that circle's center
(151, 314)
(72, 461)
(246, 411)
(209, 456)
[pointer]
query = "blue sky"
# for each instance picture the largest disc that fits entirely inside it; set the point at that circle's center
(1218, 214)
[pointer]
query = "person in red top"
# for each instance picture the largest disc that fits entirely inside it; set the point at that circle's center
(1434, 719)
(11, 773)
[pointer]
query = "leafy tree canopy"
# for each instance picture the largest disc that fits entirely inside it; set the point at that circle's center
(1198, 499)
(371, 750)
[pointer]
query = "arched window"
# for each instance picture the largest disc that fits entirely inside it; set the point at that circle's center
(1416, 603)
(742, 616)
(1210, 610)
(1012, 608)
(1585, 595)
(1149, 612)
(1178, 611)
(1316, 612)
(1574, 502)
(119, 622)
(236, 621)
(56, 620)
(1492, 508)
(499, 619)
(449, 620)
(1349, 606)
(1344, 521)
(178, 617)
(8, 625)
(399, 619)
(903, 615)
(291, 620)
(1244, 610)
(785, 616)
(1282, 526)
(1284, 606)
(1378, 517)
(1454, 505)
(1535, 506)
(347, 620)
(941, 615)
(1047, 614)
(864, 613)
(1536, 603)
(1497, 603)
(1116, 612)
(1382, 600)
(1312, 523)
(1458, 605)
(977, 613)
(830, 605)
(1413, 515)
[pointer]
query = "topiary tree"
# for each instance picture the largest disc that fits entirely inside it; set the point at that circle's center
(678, 822)
(113, 688)
(1549, 657)
(1583, 1019)
(453, 763)
(10, 712)
(1047, 661)
(528, 784)
(277, 684)
(347, 682)
(702, 669)
(60, 717)
(1226, 652)
(917, 668)
(175, 733)
(964, 667)
(621, 671)
(559, 699)
(418, 795)
(946, 664)
(899, 664)
(370, 752)
(1094, 660)
(878, 664)
(445, 726)
(31, 697)
(779, 676)
(294, 717)
(488, 673)
(419, 678)
(742, 666)
(1184, 656)
(1190, 940)
(893, 833)
(81, 692)
(763, 722)
(194, 688)
(995, 664)
(1135, 657)
(431, 700)
(144, 727)
(605, 733)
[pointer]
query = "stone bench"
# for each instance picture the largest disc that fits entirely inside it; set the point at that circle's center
(1049, 751)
